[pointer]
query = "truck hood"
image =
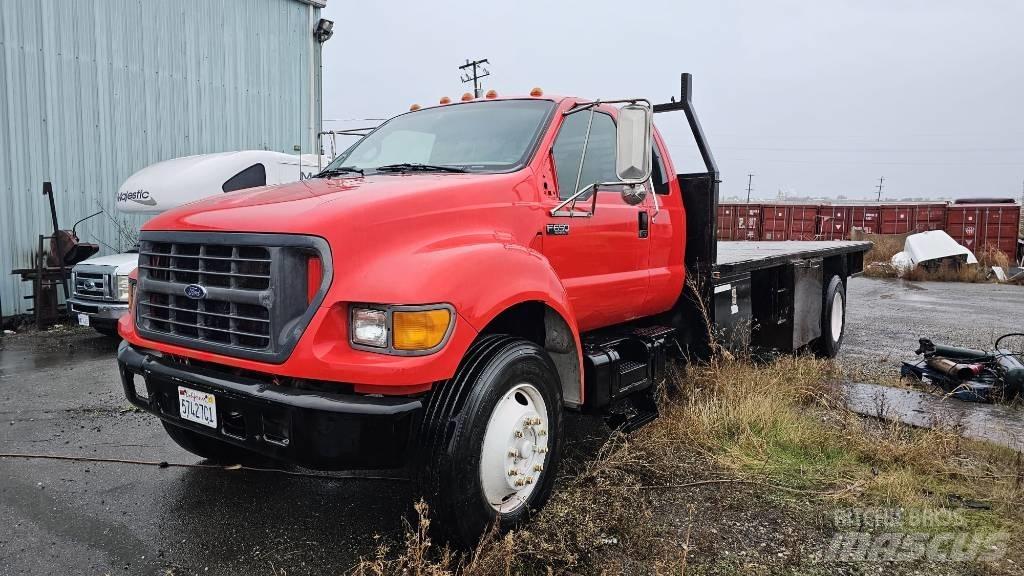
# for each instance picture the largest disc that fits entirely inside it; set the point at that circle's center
(123, 263)
(314, 206)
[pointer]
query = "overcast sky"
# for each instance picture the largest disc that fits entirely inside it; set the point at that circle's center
(815, 97)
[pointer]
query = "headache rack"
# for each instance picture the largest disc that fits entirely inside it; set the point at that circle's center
(239, 294)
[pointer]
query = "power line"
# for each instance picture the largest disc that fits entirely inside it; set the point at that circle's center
(475, 75)
(881, 181)
(750, 180)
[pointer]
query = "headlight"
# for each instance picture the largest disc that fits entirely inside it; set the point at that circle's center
(122, 288)
(404, 330)
(370, 327)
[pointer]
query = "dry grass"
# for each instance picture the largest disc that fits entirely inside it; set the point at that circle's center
(779, 428)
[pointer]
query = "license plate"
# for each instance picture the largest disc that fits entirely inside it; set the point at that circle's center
(83, 319)
(198, 407)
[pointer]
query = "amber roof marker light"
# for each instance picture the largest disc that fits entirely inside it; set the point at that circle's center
(491, 94)
(414, 107)
(536, 92)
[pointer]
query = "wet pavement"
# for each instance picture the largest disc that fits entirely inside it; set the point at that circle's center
(59, 394)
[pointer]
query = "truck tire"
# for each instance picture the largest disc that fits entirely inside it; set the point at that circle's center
(491, 439)
(212, 449)
(833, 319)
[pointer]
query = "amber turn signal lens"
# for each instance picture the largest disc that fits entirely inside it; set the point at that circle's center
(420, 329)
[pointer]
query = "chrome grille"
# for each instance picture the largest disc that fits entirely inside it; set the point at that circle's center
(240, 294)
(91, 284)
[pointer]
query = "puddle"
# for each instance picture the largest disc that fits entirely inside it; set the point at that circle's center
(996, 423)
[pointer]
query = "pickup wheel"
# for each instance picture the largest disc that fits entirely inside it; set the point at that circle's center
(212, 449)
(833, 319)
(491, 439)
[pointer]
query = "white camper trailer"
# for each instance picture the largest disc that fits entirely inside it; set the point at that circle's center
(100, 285)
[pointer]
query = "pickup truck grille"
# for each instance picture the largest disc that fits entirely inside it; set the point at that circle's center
(239, 294)
(92, 285)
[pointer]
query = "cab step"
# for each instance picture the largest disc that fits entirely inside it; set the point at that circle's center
(622, 371)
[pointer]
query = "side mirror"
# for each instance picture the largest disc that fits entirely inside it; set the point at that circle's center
(633, 144)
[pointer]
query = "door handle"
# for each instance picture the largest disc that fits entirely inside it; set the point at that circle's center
(644, 222)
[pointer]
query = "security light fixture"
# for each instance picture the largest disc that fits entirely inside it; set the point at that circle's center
(324, 30)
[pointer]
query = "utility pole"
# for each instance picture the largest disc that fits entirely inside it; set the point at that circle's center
(475, 75)
(750, 180)
(880, 182)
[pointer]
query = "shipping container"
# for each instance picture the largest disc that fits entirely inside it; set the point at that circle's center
(739, 222)
(833, 222)
(775, 221)
(984, 226)
(897, 219)
(867, 217)
(929, 217)
(803, 222)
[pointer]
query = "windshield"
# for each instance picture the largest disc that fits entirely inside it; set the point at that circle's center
(484, 136)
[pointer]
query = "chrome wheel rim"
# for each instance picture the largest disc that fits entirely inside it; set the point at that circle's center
(515, 448)
(837, 317)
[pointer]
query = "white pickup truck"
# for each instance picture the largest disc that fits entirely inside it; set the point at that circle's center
(100, 285)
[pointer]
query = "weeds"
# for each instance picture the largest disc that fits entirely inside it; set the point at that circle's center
(775, 436)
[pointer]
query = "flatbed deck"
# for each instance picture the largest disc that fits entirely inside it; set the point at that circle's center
(741, 256)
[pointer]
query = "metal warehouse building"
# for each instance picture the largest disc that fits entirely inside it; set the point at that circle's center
(93, 90)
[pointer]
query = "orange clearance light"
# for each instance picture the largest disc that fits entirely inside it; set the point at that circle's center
(491, 94)
(446, 100)
(414, 107)
(536, 92)
(419, 330)
(467, 97)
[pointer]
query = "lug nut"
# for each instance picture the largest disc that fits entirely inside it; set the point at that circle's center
(513, 472)
(519, 434)
(522, 481)
(513, 453)
(529, 479)
(538, 468)
(542, 450)
(542, 432)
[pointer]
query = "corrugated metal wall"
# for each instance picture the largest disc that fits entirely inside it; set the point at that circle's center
(93, 90)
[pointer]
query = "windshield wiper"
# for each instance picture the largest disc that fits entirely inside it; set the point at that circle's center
(340, 170)
(415, 166)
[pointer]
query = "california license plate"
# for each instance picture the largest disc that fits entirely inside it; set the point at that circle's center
(83, 319)
(198, 407)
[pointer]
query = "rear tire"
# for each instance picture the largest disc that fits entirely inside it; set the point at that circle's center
(212, 449)
(491, 439)
(833, 319)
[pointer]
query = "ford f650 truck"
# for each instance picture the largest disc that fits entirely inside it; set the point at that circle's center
(447, 287)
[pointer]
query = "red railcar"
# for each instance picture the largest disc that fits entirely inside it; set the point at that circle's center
(833, 222)
(981, 226)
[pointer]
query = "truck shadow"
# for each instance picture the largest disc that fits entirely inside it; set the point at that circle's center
(239, 521)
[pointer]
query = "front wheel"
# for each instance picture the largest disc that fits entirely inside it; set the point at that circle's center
(833, 319)
(491, 439)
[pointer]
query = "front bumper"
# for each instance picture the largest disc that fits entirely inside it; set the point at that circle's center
(98, 309)
(313, 429)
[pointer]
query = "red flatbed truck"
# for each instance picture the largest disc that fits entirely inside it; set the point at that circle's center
(447, 287)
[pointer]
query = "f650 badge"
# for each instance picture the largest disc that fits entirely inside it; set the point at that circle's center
(558, 229)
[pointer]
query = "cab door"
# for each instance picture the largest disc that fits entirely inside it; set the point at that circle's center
(602, 260)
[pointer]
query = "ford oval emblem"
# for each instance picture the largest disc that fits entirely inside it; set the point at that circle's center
(195, 291)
